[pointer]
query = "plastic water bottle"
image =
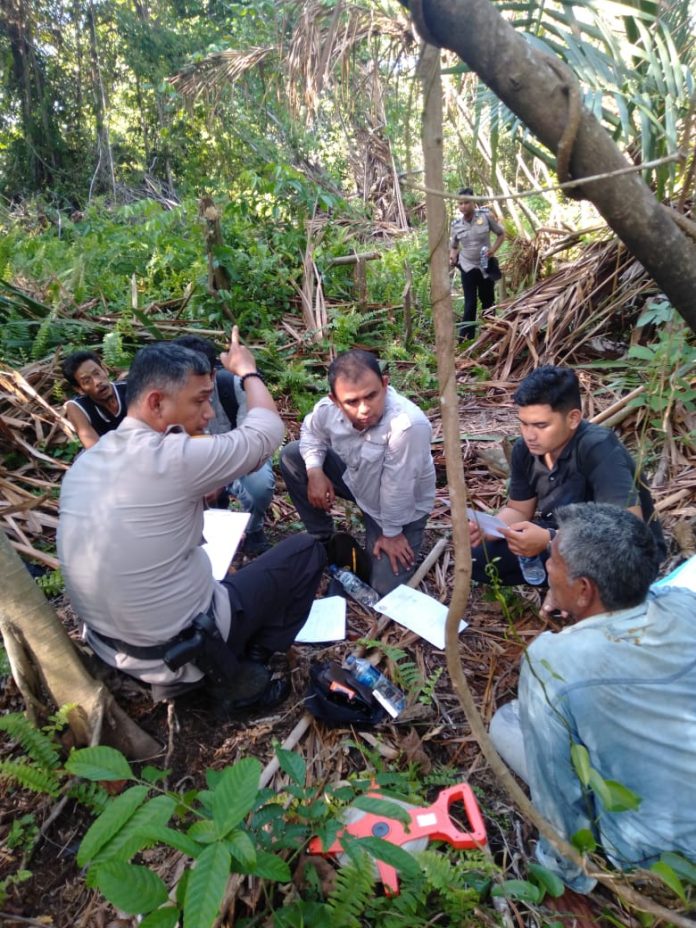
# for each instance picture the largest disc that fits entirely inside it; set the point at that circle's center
(387, 695)
(483, 260)
(360, 591)
(533, 570)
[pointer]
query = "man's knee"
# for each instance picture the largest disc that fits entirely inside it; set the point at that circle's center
(383, 579)
(302, 550)
(259, 487)
(291, 461)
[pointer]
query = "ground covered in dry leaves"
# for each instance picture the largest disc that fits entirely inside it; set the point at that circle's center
(428, 738)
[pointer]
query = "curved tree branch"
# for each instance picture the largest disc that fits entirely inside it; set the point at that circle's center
(529, 82)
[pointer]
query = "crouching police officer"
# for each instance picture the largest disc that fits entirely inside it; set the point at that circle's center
(131, 520)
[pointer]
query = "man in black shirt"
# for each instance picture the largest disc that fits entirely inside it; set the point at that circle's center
(100, 405)
(559, 459)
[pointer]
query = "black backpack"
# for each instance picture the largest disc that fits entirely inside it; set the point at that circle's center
(228, 397)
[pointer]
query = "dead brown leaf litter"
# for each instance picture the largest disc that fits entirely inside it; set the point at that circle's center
(543, 327)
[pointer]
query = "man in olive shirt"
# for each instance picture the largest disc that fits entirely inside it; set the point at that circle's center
(130, 529)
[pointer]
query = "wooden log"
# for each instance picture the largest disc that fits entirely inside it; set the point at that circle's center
(354, 259)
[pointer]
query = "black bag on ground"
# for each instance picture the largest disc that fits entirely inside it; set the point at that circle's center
(344, 551)
(334, 696)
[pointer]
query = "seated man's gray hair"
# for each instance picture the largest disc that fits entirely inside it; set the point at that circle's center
(610, 546)
(163, 366)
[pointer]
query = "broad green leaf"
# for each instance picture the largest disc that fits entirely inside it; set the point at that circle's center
(598, 785)
(621, 798)
(110, 822)
(303, 914)
(518, 889)
(383, 808)
(391, 854)
(669, 878)
(153, 775)
(173, 838)
(206, 887)
(99, 763)
(134, 835)
(131, 887)
(681, 866)
(580, 759)
(168, 917)
(242, 849)
(271, 867)
(204, 832)
(293, 764)
(642, 352)
(235, 793)
(546, 880)
(584, 841)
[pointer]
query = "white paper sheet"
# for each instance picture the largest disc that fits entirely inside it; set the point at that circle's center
(418, 612)
(684, 575)
(489, 525)
(222, 531)
(325, 622)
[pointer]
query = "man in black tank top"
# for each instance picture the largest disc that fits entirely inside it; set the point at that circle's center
(100, 405)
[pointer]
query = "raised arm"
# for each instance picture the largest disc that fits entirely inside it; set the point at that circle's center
(240, 361)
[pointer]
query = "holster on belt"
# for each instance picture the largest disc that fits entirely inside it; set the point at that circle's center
(203, 645)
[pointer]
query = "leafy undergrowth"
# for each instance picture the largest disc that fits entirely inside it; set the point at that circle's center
(121, 838)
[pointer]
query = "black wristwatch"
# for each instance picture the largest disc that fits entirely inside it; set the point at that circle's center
(552, 534)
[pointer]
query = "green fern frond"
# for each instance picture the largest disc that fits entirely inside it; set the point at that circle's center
(410, 677)
(439, 871)
(426, 695)
(441, 775)
(391, 652)
(351, 894)
(43, 338)
(35, 743)
(92, 795)
(30, 777)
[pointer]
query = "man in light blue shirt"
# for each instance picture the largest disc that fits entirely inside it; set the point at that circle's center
(620, 683)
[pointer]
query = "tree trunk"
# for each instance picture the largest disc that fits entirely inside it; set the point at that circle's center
(41, 138)
(104, 178)
(40, 650)
(540, 89)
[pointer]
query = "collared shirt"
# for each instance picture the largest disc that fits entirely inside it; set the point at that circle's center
(593, 467)
(389, 467)
(471, 236)
(622, 684)
(131, 522)
(99, 417)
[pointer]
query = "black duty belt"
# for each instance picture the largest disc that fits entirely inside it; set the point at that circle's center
(200, 643)
(150, 653)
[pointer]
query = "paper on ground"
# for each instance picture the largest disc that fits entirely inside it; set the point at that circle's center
(418, 612)
(222, 531)
(326, 621)
(684, 575)
(490, 525)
